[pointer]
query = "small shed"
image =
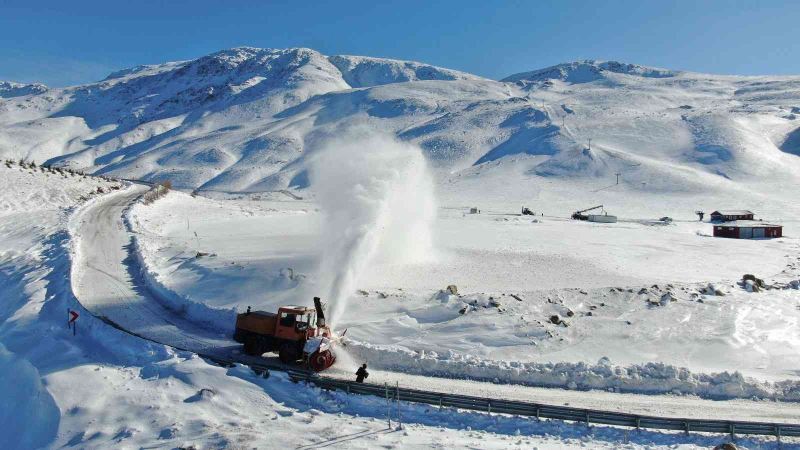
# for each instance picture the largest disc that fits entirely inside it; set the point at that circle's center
(748, 229)
(730, 215)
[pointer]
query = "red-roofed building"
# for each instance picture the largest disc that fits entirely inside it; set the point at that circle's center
(748, 229)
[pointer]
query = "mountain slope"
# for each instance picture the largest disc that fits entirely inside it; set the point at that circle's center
(248, 118)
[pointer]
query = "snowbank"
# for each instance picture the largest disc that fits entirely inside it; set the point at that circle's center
(648, 378)
(223, 320)
(28, 412)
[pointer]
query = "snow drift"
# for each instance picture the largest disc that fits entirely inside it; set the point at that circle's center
(647, 378)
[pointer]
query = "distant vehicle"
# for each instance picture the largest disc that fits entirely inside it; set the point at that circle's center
(600, 218)
(666, 219)
(527, 212)
(578, 215)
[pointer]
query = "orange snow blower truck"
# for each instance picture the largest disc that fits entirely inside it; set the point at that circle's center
(296, 333)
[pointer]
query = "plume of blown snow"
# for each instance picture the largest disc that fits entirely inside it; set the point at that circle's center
(376, 198)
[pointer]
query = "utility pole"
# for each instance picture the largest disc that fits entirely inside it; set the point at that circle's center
(618, 177)
(590, 143)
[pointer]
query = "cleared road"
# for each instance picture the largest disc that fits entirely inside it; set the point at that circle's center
(107, 282)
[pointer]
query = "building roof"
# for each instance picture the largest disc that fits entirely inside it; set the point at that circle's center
(732, 212)
(748, 224)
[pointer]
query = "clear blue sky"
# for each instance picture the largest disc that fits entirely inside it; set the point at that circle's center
(65, 42)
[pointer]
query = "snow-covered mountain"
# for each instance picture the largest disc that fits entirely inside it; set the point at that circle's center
(247, 119)
(10, 89)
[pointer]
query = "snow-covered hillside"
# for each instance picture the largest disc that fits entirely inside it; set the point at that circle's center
(10, 89)
(248, 119)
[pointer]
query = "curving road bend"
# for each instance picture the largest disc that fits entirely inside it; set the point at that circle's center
(107, 282)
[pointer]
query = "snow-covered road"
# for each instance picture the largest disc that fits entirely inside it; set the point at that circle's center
(106, 280)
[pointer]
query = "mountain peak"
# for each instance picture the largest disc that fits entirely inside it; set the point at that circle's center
(364, 71)
(589, 70)
(10, 89)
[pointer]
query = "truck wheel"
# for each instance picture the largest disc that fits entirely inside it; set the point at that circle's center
(288, 353)
(320, 361)
(251, 347)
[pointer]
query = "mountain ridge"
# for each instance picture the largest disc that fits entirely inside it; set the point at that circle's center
(248, 119)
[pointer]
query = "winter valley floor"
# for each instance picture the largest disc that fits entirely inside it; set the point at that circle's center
(103, 388)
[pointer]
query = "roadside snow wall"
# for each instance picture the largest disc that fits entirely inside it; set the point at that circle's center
(648, 378)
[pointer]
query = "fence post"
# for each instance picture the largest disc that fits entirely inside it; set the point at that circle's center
(388, 405)
(397, 399)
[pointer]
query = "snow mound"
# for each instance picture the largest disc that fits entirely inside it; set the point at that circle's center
(28, 412)
(791, 144)
(648, 378)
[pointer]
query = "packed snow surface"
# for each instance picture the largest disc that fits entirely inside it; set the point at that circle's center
(102, 388)
(607, 282)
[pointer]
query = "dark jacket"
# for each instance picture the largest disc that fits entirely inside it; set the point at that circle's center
(361, 374)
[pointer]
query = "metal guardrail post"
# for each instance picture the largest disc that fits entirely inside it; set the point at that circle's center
(489, 407)
(388, 405)
(441, 398)
(397, 399)
(538, 411)
(686, 427)
(732, 428)
(778, 432)
(638, 423)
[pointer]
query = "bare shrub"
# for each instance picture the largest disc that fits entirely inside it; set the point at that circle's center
(156, 192)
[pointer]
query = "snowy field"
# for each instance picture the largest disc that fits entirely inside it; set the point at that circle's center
(263, 254)
(106, 389)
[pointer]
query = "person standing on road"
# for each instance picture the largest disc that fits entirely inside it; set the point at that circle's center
(361, 373)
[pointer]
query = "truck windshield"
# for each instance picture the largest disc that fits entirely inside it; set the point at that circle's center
(288, 319)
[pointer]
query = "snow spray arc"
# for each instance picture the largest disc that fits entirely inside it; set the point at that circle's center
(377, 202)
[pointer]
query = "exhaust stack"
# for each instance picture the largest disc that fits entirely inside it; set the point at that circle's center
(320, 312)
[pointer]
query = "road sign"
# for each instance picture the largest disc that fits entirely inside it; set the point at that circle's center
(72, 317)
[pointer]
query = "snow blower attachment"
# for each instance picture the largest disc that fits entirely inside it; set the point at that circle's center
(296, 333)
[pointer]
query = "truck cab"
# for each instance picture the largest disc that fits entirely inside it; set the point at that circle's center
(295, 323)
